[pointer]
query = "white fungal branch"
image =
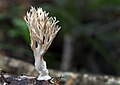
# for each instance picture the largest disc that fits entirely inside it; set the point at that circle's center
(43, 30)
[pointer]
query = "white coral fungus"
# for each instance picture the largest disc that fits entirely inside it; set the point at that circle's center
(42, 30)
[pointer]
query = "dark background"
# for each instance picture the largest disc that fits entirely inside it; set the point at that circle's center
(88, 42)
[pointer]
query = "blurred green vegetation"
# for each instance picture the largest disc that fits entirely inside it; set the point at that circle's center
(96, 23)
(14, 25)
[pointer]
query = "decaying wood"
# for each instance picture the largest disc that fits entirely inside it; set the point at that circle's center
(8, 79)
(64, 78)
(68, 79)
(20, 80)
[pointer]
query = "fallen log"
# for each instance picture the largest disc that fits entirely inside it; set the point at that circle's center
(61, 78)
